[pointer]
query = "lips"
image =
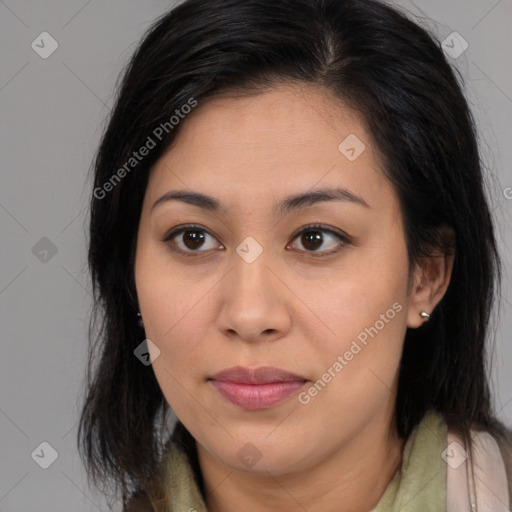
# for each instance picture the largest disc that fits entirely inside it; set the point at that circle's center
(261, 375)
(258, 388)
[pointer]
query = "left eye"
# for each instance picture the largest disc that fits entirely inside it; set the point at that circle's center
(312, 238)
(193, 239)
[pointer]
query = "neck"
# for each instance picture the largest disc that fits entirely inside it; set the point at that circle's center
(356, 475)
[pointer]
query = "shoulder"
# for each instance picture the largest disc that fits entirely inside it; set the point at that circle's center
(480, 483)
(505, 446)
(139, 502)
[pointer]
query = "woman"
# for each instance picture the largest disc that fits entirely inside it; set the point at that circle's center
(291, 249)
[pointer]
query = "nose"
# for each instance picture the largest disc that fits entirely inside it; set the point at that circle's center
(255, 305)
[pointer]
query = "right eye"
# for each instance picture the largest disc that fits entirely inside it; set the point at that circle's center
(189, 239)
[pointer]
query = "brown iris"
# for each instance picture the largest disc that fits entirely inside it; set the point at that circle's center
(193, 238)
(311, 238)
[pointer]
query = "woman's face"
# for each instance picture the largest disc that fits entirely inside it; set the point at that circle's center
(251, 285)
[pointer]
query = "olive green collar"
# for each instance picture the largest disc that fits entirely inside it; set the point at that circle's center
(420, 483)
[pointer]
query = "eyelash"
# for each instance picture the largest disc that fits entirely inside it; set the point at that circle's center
(344, 239)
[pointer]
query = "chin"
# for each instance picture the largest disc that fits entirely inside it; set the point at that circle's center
(250, 455)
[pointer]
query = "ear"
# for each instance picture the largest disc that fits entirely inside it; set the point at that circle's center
(431, 279)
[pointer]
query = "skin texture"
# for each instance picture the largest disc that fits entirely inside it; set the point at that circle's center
(286, 309)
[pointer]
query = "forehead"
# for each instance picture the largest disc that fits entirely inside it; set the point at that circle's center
(286, 116)
(283, 140)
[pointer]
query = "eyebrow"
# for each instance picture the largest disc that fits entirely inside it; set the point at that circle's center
(290, 203)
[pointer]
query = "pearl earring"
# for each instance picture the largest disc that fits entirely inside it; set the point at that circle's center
(425, 315)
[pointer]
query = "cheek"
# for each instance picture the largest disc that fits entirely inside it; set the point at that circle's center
(172, 321)
(358, 373)
(369, 332)
(166, 295)
(366, 288)
(365, 312)
(183, 362)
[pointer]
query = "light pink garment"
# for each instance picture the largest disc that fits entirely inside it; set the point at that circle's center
(487, 491)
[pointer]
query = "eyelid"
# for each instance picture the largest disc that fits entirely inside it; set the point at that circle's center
(342, 237)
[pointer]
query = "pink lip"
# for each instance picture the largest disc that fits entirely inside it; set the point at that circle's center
(260, 388)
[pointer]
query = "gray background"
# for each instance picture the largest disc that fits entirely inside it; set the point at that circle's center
(52, 114)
